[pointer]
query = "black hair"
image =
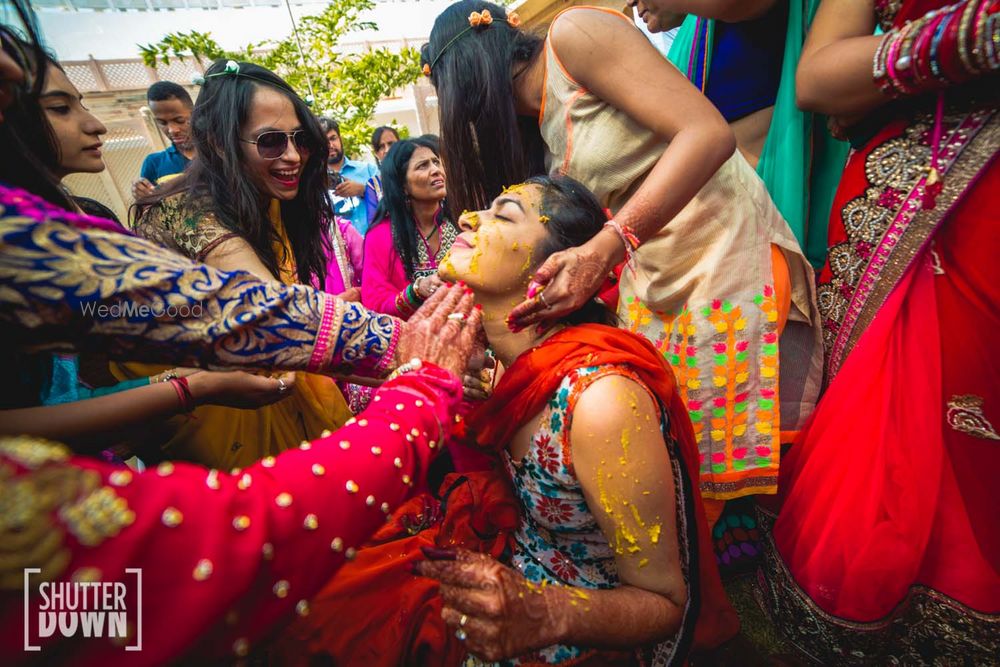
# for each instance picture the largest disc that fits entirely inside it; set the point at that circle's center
(486, 145)
(393, 204)
(28, 144)
(574, 217)
(434, 140)
(377, 135)
(215, 181)
(327, 124)
(161, 91)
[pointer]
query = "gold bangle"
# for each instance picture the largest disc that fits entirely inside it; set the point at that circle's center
(413, 364)
(968, 16)
(166, 376)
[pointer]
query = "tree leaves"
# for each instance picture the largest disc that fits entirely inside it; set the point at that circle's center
(344, 84)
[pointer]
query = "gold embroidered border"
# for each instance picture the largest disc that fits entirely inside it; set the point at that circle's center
(976, 156)
(926, 627)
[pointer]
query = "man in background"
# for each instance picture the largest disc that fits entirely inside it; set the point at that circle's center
(171, 106)
(347, 178)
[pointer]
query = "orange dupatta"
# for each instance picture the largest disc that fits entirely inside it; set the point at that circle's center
(536, 374)
(376, 612)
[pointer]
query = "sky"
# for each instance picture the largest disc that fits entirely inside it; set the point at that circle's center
(77, 35)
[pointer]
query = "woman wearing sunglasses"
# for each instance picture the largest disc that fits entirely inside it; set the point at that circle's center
(255, 200)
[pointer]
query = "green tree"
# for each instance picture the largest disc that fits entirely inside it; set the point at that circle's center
(347, 86)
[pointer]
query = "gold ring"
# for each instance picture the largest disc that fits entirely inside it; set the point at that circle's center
(462, 621)
(457, 317)
(541, 297)
(282, 387)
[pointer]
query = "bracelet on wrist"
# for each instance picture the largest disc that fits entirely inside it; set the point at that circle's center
(184, 394)
(628, 239)
(413, 364)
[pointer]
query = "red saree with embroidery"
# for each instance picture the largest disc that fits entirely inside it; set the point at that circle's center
(887, 544)
(377, 613)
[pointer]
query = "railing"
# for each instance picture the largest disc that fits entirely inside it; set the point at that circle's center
(100, 76)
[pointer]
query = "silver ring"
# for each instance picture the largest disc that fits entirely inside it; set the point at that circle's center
(462, 621)
(282, 387)
(461, 634)
(457, 317)
(541, 297)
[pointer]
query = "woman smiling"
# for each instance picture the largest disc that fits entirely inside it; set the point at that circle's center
(588, 544)
(254, 199)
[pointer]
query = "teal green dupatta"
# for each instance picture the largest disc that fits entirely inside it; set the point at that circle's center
(797, 143)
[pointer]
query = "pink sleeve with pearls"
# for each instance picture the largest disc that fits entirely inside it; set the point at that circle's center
(224, 557)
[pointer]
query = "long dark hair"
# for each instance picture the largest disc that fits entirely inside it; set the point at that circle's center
(377, 136)
(486, 145)
(394, 205)
(216, 181)
(28, 144)
(574, 217)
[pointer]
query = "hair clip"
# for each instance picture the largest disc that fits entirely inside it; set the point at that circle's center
(482, 19)
(232, 67)
(198, 80)
(477, 19)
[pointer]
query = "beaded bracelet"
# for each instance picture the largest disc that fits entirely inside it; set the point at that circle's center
(879, 65)
(413, 364)
(987, 37)
(967, 20)
(901, 64)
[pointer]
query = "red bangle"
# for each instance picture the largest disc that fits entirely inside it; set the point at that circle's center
(184, 394)
(951, 68)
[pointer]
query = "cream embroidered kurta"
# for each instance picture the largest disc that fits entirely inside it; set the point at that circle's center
(702, 290)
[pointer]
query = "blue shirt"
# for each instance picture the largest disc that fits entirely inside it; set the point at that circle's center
(353, 208)
(169, 162)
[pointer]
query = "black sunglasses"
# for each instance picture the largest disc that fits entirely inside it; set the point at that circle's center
(272, 144)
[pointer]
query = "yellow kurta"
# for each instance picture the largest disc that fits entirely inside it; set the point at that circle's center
(221, 437)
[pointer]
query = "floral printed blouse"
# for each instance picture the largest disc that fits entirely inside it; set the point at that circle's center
(559, 541)
(173, 225)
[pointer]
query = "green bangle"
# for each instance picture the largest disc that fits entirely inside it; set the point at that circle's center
(412, 297)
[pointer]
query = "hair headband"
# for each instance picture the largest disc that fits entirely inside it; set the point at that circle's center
(476, 20)
(232, 68)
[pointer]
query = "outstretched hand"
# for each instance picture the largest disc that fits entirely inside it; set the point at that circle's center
(443, 331)
(492, 608)
(238, 389)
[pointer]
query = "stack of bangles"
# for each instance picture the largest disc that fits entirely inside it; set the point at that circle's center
(949, 45)
(408, 300)
(629, 240)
